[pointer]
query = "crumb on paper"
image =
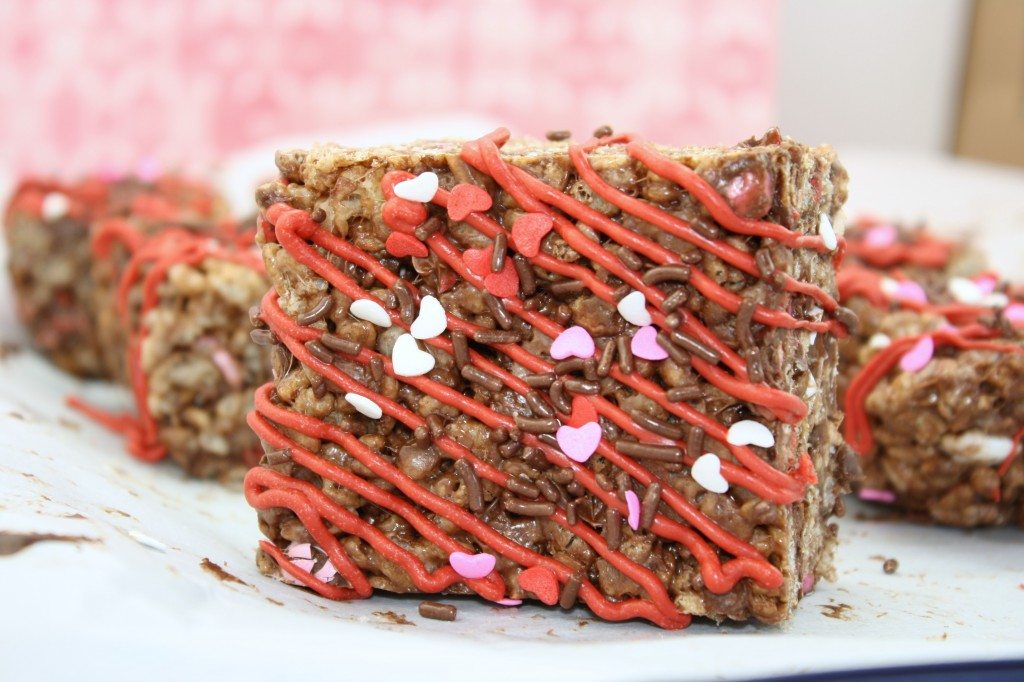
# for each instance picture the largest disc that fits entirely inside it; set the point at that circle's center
(393, 618)
(12, 543)
(838, 611)
(219, 573)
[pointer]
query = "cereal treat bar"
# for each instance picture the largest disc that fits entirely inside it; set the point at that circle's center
(598, 373)
(47, 229)
(183, 301)
(931, 379)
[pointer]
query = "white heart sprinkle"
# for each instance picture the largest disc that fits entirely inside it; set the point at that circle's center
(750, 432)
(55, 206)
(432, 320)
(889, 286)
(965, 291)
(978, 446)
(878, 341)
(408, 360)
(707, 471)
(827, 234)
(422, 188)
(371, 311)
(633, 308)
(812, 337)
(364, 405)
(812, 387)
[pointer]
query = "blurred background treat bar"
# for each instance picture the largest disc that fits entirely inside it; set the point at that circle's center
(181, 310)
(47, 225)
(597, 372)
(933, 382)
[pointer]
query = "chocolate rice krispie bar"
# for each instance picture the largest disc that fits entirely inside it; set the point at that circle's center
(47, 229)
(933, 378)
(184, 302)
(600, 373)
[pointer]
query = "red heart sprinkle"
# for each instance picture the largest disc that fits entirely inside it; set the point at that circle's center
(528, 230)
(402, 215)
(478, 260)
(504, 284)
(583, 411)
(465, 199)
(541, 582)
(401, 245)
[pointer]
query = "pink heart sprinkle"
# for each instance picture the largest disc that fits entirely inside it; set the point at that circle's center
(574, 341)
(910, 291)
(645, 345)
(920, 355)
(326, 573)
(579, 444)
(1014, 313)
(986, 283)
(808, 583)
(299, 550)
(880, 236)
(633, 509)
(304, 564)
(509, 602)
(877, 495)
(472, 566)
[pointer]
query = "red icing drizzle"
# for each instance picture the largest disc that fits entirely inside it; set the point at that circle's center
(298, 234)
(151, 259)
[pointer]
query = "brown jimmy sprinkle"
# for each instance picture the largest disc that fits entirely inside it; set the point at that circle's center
(498, 311)
(661, 453)
(496, 336)
(317, 312)
(612, 528)
(437, 611)
(482, 378)
(537, 425)
(667, 273)
(558, 135)
(689, 392)
(340, 345)
(474, 493)
(499, 252)
(674, 351)
(527, 507)
(406, 305)
(527, 281)
(559, 398)
(460, 349)
(430, 227)
(694, 346)
(570, 591)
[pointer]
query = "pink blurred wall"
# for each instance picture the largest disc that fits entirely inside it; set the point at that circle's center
(88, 83)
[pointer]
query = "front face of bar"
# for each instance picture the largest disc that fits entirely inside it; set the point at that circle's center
(599, 374)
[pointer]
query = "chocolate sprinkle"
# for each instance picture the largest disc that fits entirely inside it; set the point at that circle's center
(478, 376)
(548, 490)
(603, 131)
(582, 387)
(604, 365)
(674, 352)
(254, 317)
(336, 343)
(568, 366)
(558, 135)
(317, 312)
(319, 351)
(498, 311)
(498, 254)
(694, 346)
(489, 336)
(406, 305)
(689, 392)
(755, 370)
(625, 353)
(667, 273)
(537, 405)
(590, 369)
(629, 259)
(674, 300)
(569, 286)
(430, 226)
(460, 349)
(437, 611)
(649, 505)
(763, 259)
(612, 528)
(376, 368)
(527, 507)
(662, 428)
(743, 317)
(540, 380)
(527, 281)
(660, 453)
(263, 337)
(706, 228)
(558, 397)
(474, 494)
(570, 591)
(537, 425)
(848, 319)
(695, 442)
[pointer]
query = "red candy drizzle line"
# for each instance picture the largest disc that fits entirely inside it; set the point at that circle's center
(150, 261)
(306, 242)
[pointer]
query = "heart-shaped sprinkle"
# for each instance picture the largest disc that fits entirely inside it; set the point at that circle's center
(645, 344)
(364, 405)
(431, 321)
(707, 471)
(877, 495)
(472, 566)
(827, 234)
(579, 444)
(1014, 314)
(371, 311)
(478, 260)
(326, 573)
(504, 284)
(465, 199)
(583, 411)
(55, 206)
(750, 432)
(407, 358)
(986, 283)
(401, 245)
(633, 308)
(509, 602)
(301, 555)
(807, 584)
(880, 236)
(965, 290)
(422, 188)
(632, 510)
(878, 341)
(905, 290)
(541, 582)
(148, 169)
(529, 230)
(915, 359)
(573, 342)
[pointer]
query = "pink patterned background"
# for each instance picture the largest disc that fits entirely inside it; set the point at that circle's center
(90, 83)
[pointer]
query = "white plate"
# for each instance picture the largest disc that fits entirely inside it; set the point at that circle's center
(136, 601)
